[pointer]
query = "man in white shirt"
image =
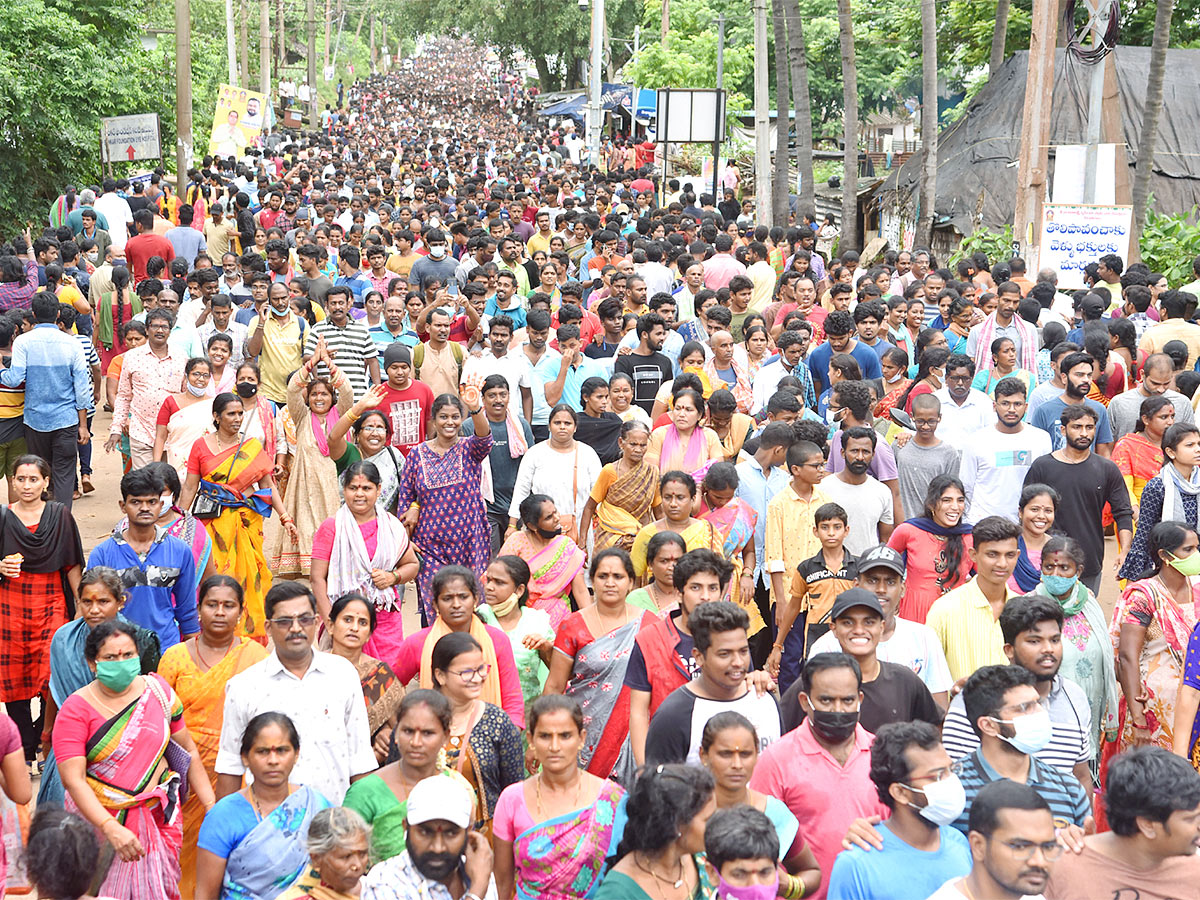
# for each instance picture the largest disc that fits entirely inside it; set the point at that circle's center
(995, 460)
(659, 279)
(320, 692)
(867, 502)
(762, 274)
(116, 210)
(498, 361)
(964, 409)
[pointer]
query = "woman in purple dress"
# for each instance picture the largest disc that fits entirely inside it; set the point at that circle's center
(440, 487)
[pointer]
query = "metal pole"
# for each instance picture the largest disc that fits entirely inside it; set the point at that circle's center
(230, 43)
(762, 122)
(1100, 11)
(183, 92)
(595, 118)
(264, 46)
(720, 50)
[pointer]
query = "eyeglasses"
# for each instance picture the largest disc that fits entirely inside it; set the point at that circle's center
(470, 675)
(378, 428)
(289, 622)
(1023, 850)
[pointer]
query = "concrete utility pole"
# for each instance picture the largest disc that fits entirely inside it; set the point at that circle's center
(264, 46)
(280, 38)
(230, 43)
(1100, 12)
(328, 28)
(720, 51)
(1033, 154)
(372, 43)
(183, 92)
(595, 114)
(243, 45)
(312, 61)
(762, 120)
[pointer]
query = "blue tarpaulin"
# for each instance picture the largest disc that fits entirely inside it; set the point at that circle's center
(611, 96)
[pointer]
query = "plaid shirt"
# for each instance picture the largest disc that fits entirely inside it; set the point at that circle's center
(14, 295)
(146, 380)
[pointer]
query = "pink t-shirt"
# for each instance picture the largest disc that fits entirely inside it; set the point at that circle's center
(824, 796)
(322, 547)
(512, 817)
(10, 742)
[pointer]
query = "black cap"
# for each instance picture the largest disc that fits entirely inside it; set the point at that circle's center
(855, 597)
(882, 555)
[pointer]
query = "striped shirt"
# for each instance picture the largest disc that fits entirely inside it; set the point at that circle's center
(1070, 716)
(1063, 793)
(351, 346)
(964, 622)
(92, 360)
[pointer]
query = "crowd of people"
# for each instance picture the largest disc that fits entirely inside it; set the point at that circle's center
(743, 568)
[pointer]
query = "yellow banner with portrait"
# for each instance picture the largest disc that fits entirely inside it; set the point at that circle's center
(237, 121)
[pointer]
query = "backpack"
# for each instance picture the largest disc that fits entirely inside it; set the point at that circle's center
(456, 350)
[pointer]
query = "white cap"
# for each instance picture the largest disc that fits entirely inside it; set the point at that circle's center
(440, 797)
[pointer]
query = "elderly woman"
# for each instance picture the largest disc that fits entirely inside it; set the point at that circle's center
(338, 848)
(111, 739)
(363, 550)
(556, 563)
(184, 416)
(440, 493)
(624, 493)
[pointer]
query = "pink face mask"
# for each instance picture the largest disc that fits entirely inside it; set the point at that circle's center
(726, 891)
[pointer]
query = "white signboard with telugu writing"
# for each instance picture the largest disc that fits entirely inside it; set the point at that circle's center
(126, 138)
(1075, 234)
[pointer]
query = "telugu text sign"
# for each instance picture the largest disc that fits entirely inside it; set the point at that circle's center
(1074, 235)
(128, 138)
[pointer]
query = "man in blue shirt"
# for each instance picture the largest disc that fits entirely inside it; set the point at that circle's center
(157, 569)
(350, 276)
(1076, 370)
(839, 329)
(58, 393)
(913, 775)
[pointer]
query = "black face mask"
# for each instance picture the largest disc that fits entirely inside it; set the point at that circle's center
(833, 727)
(548, 535)
(246, 389)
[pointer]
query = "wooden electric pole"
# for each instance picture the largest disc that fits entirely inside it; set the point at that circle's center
(1033, 153)
(183, 92)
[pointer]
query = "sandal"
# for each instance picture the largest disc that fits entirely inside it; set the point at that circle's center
(86, 481)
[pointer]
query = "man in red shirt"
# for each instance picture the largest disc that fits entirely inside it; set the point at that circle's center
(405, 402)
(145, 244)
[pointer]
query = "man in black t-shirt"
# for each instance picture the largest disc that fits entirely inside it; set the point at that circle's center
(891, 692)
(646, 366)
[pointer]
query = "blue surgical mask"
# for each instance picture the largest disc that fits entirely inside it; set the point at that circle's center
(1058, 585)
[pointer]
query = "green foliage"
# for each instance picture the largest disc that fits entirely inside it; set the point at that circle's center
(63, 68)
(1169, 243)
(997, 245)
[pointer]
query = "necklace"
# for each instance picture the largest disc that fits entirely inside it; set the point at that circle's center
(100, 699)
(600, 618)
(538, 792)
(658, 879)
(200, 655)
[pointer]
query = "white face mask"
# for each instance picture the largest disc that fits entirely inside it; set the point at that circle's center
(168, 501)
(945, 800)
(896, 377)
(437, 252)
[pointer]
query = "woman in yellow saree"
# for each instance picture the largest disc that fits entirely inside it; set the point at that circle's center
(623, 495)
(231, 480)
(678, 492)
(197, 670)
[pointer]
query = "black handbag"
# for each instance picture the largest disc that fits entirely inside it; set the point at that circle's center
(205, 504)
